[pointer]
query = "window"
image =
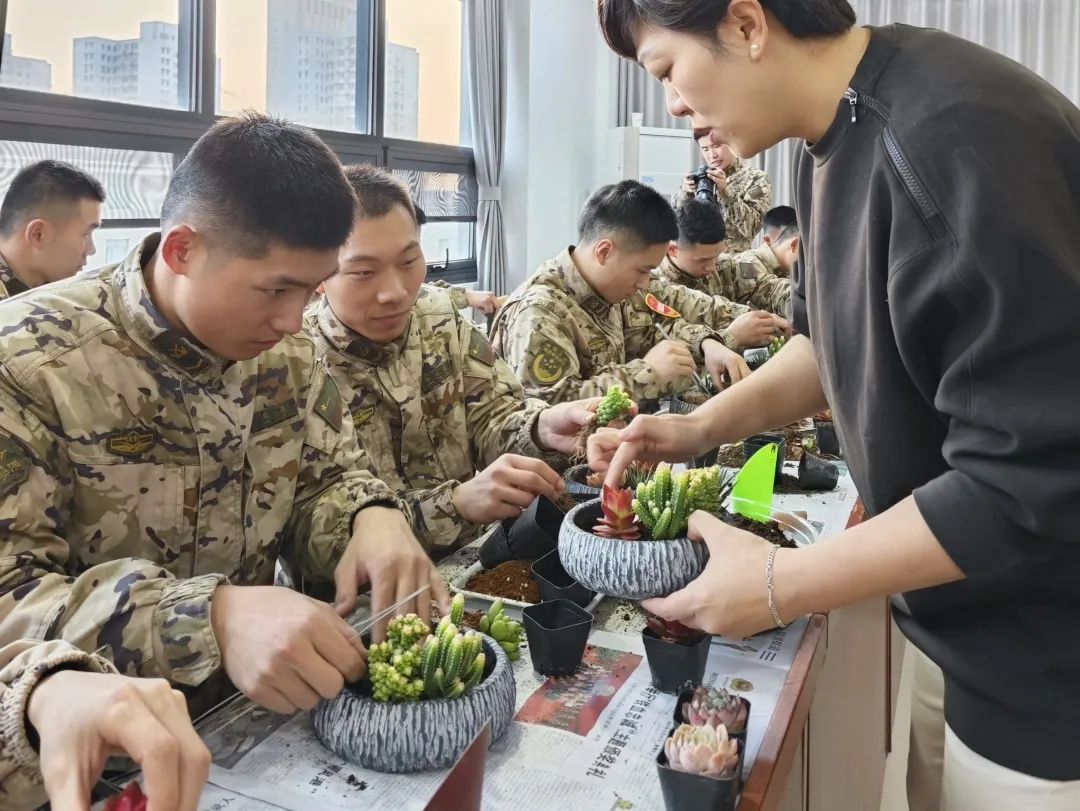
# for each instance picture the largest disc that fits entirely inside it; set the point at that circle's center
(422, 71)
(41, 49)
(449, 203)
(135, 182)
(112, 245)
(262, 48)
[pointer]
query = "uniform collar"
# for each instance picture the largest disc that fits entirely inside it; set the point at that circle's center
(580, 289)
(12, 283)
(145, 323)
(685, 279)
(354, 345)
(767, 257)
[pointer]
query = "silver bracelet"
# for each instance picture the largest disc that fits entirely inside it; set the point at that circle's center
(769, 585)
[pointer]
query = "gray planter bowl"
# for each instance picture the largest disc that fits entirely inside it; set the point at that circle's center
(416, 736)
(631, 570)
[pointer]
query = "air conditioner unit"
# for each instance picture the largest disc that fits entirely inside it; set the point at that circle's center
(655, 156)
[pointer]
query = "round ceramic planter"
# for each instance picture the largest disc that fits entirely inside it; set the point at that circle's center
(417, 736)
(631, 570)
(576, 487)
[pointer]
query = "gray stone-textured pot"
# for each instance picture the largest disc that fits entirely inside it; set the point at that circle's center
(578, 490)
(417, 736)
(631, 570)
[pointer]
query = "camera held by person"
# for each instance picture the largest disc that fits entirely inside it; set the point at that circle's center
(705, 186)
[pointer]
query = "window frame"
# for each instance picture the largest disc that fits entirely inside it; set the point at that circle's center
(52, 118)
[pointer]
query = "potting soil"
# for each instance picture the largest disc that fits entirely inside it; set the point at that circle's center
(511, 580)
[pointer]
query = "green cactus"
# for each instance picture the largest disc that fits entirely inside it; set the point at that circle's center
(395, 665)
(457, 609)
(776, 345)
(503, 630)
(664, 504)
(615, 405)
(448, 660)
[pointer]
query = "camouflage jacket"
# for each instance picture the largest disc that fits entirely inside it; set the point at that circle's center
(431, 408)
(10, 284)
(23, 665)
(694, 306)
(458, 295)
(138, 473)
(565, 342)
(744, 202)
(747, 278)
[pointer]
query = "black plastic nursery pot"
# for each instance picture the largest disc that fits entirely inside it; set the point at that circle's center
(556, 584)
(817, 474)
(679, 405)
(557, 632)
(576, 487)
(694, 792)
(755, 443)
(827, 441)
(532, 534)
(675, 667)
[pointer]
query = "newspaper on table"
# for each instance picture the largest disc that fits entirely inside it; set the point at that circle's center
(588, 741)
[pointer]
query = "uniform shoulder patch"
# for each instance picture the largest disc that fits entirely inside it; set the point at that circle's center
(748, 269)
(480, 349)
(328, 403)
(14, 465)
(273, 414)
(550, 363)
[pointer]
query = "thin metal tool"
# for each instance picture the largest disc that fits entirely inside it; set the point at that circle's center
(701, 382)
(366, 625)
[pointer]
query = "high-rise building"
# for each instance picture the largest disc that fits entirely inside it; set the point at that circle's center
(23, 71)
(140, 71)
(311, 67)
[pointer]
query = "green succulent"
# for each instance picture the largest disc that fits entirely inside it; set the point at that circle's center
(503, 630)
(665, 502)
(615, 405)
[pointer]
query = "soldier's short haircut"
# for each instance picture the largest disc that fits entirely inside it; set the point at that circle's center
(252, 182)
(780, 223)
(42, 185)
(621, 20)
(378, 192)
(700, 222)
(629, 211)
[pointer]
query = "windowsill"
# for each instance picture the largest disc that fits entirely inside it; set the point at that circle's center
(460, 274)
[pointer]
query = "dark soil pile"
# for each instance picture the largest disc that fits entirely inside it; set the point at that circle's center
(769, 530)
(511, 580)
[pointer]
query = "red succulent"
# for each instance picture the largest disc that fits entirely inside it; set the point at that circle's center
(130, 799)
(619, 520)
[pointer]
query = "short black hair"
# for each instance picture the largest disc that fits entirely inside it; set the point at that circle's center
(780, 223)
(629, 210)
(253, 181)
(378, 191)
(421, 215)
(42, 184)
(803, 19)
(700, 222)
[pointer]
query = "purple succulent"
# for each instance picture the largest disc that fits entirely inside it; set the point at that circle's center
(713, 706)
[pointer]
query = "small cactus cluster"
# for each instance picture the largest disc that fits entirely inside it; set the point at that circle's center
(716, 706)
(615, 406)
(502, 629)
(618, 519)
(414, 663)
(776, 345)
(704, 750)
(664, 504)
(637, 473)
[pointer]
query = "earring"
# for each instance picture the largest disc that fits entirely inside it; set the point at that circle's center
(755, 48)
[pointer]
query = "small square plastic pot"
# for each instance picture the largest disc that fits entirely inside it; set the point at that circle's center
(531, 535)
(755, 443)
(694, 792)
(827, 441)
(817, 474)
(675, 667)
(557, 632)
(556, 584)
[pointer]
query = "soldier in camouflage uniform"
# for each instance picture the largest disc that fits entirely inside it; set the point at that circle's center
(145, 472)
(80, 713)
(431, 403)
(47, 224)
(780, 232)
(743, 192)
(571, 330)
(695, 260)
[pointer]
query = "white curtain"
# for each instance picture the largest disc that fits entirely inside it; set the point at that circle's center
(1044, 35)
(485, 56)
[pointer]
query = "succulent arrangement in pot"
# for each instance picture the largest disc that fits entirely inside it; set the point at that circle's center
(699, 769)
(427, 693)
(677, 654)
(583, 484)
(632, 544)
(714, 706)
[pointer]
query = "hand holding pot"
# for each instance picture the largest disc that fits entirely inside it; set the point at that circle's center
(730, 597)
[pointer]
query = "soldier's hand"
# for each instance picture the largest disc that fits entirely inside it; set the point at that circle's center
(505, 488)
(689, 185)
(283, 650)
(755, 328)
(783, 326)
(720, 360)
(485, 302)
(557, 427)
(83, 718)
(670, 361)
(385, 553)
(719, 178)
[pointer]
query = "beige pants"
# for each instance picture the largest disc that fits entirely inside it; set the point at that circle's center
(945, 775)
(926, 752)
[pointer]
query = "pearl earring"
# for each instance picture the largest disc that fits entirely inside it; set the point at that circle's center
(755, 48)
